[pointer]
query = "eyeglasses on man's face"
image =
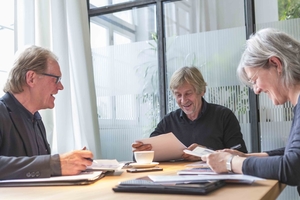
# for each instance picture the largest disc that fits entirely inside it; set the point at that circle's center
(58, 78)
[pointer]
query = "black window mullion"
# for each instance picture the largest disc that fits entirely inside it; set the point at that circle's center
(161, 58)
(253, 98)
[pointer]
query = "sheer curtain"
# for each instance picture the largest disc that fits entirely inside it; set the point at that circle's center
(62, 26)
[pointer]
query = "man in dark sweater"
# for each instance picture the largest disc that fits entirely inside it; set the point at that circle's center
(197, 122)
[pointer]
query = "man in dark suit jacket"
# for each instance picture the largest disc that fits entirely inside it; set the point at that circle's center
(24, 150)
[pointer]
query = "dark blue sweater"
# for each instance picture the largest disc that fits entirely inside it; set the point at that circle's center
(216, 127)
(282, 164)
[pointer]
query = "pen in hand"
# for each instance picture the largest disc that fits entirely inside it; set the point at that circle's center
(238, 146)
(84, 148)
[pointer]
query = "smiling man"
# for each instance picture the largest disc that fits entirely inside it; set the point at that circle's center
(197, 122)
(24, 150)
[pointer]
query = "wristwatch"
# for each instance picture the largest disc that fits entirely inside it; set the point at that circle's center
(228, 163)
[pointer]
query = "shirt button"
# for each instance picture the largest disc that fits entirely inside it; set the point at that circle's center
(37, 174)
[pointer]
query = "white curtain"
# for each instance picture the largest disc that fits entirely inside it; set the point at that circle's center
(62, 26)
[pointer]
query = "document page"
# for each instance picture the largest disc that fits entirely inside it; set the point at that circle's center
(166, 147)
(240, 178)
(105, 165)
(89, 176)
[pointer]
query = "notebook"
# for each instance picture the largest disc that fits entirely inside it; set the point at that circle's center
(83, 178)
(145, 185)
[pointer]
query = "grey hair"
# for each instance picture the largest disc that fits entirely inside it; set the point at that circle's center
(190, 75)
(32, 58)
(268, 43)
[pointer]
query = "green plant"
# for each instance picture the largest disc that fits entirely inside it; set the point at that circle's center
(148, 73)
(288, 9)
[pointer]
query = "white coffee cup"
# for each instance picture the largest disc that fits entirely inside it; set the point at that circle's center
(144, 157)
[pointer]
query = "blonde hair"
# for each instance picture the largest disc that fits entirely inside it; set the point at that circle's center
(189, 75)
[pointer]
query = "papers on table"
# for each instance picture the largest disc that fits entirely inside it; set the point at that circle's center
(240, 178)
(83, 178)
(198, 164)
(196, 168)
(195, 171)
(105, 165)
(173, 151)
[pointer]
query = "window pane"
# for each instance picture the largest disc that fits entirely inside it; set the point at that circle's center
(99, 35)
(194, 16)
(211, 43)
(100, 3)
(6, 40)
(125, 72)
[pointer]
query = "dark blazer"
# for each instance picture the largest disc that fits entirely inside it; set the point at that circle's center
(18, 159)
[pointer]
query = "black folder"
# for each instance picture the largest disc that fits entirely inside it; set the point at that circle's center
(145, 185)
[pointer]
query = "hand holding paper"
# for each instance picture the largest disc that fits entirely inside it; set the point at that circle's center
(172, 152)
(199, 151)
(140, 146)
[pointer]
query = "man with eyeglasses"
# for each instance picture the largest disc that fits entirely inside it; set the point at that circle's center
(24, 150)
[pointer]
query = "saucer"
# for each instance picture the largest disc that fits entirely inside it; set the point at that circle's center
(138, 165)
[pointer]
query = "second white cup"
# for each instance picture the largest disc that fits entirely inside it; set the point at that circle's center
(144, 157)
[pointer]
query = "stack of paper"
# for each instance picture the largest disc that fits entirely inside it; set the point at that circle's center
(198, 164)
(105, 165)
(83, 178)
(196, 168)
(197, 178)
(195, 171)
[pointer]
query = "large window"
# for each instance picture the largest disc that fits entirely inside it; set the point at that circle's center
(126, 50)
(125, 67)
(207, 37)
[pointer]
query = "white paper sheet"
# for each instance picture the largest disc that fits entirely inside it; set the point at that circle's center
(198, 164)
(82, 176)
(199, 151)
(166, 147)
(194, 178)
(105, 165)
(195, 171)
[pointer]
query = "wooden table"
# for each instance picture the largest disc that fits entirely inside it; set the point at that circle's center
(102, 189)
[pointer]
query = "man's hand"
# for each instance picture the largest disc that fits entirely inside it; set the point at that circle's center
(191, 157)
(74, 162)
(139, 146)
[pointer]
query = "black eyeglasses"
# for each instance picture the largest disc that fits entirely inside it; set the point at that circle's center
(58, 78)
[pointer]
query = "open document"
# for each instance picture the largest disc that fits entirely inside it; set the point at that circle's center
(83, 178)
(166, 147)
(239, 178)
(196, 168)
(105, 165)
